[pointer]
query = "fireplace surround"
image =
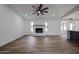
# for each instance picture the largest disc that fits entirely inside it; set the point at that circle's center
(39, 30)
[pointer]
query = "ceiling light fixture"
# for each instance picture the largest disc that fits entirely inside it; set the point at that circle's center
(26, 15)
(40, 10)
(53, 14)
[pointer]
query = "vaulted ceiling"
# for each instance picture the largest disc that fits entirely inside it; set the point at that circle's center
(55, 11)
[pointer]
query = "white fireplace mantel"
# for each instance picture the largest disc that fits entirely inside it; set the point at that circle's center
(39, 34)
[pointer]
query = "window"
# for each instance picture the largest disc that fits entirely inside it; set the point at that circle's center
(32, 23)
(46, 26)
(31, 29)
(71, 26)
(46, 29)
(66, 25)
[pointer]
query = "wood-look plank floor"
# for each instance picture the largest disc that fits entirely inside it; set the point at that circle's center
(41, 45)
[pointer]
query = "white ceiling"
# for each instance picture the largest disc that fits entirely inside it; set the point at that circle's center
(74, 14)
(58, 9)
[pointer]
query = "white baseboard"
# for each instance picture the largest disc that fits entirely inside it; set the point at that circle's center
(4, 43)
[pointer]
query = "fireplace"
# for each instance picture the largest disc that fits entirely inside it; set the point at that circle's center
(39, 30)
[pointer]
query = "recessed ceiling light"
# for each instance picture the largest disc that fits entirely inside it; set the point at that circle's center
(26, 15)
(53, 14)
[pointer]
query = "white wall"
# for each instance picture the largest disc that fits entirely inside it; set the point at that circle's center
(54, 26)
(11, 25)
(76, 25)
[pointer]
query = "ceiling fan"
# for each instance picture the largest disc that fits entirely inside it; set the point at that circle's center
(40, 10)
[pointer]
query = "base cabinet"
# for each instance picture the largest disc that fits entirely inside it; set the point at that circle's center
(73, 35)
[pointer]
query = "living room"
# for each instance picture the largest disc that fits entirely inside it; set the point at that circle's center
(39, 28)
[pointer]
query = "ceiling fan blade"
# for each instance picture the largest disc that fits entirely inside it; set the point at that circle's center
(42, 13)
(40, 6)
(45, 8)
(34, 7)
(45, 11)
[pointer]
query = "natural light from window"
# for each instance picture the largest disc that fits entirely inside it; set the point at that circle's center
(46, 26)
(32, 24)
(66, 25)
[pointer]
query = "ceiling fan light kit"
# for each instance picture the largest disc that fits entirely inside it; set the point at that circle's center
(39, 10)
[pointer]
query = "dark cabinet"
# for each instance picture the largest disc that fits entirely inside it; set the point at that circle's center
(73, 35)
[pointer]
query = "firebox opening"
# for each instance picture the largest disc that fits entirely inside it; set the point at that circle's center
(39, 30)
